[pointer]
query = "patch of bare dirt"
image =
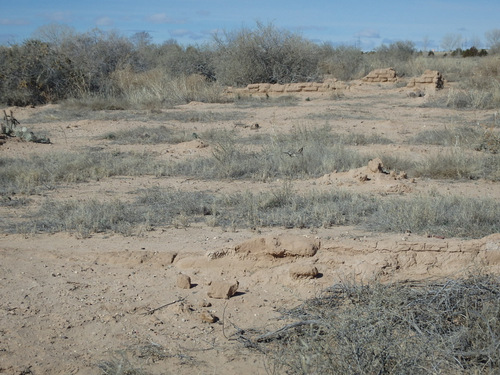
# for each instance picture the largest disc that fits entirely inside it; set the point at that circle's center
(69, 304)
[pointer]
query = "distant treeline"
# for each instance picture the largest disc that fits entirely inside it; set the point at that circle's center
(62, 64)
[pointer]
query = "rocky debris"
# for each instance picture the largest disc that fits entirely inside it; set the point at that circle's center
(401, 176)
(416, 93)
(222, 289)
(182, 309)
(430, 79)
(376, 166)
(219, 253)
(381, 75)
(303, 272)
(183, 281)
(205, 303)
(279, 247)
(12, 128)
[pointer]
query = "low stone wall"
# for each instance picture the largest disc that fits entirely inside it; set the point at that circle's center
(381, 75)
(429, 79)
(268, 88)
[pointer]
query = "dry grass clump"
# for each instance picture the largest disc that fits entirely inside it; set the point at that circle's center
(155, 88)
(279, 156)
(453, 163)
(450, 216)
(29, 175)
(456, 163)
(119, 364)
(483, 137)
(84, 217)
(280, 207)
(472, 98)
(449, 326)
(467, 136)
(283, 207)
(73, 110)
(478, 82)
(144, 135)
(152, 208)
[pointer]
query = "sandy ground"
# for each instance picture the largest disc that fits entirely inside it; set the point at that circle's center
(69, 304)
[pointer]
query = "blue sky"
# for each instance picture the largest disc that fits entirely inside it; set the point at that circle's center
(364, 23)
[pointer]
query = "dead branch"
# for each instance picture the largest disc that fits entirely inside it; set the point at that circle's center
(288, 327)
(152, 311)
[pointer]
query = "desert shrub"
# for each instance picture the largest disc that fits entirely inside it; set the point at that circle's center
(176, 60)
(445, 326)
(264, 54)
(343, 62)
(398, 55)
(33, 73)
(94, 56)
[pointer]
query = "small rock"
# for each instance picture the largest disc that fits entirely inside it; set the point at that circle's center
(303, 272)
(183, 281)
(222, 289)
(207, 317)
(205, 304)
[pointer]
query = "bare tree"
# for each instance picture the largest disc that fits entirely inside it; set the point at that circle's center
(493, 40)
(54, 33)
(451, 42)
(425, 43)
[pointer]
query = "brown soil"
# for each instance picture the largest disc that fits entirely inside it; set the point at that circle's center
(69, 304)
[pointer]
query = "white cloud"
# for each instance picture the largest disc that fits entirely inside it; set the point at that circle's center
(368, 33)
(163, 18)
(187, 34)
(13, 21)
(180, 32)
(59, 16)
(104, 21)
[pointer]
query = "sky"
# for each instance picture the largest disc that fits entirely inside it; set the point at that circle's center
(362, 23)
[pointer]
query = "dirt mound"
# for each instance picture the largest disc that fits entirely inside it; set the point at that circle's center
(279, 247)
